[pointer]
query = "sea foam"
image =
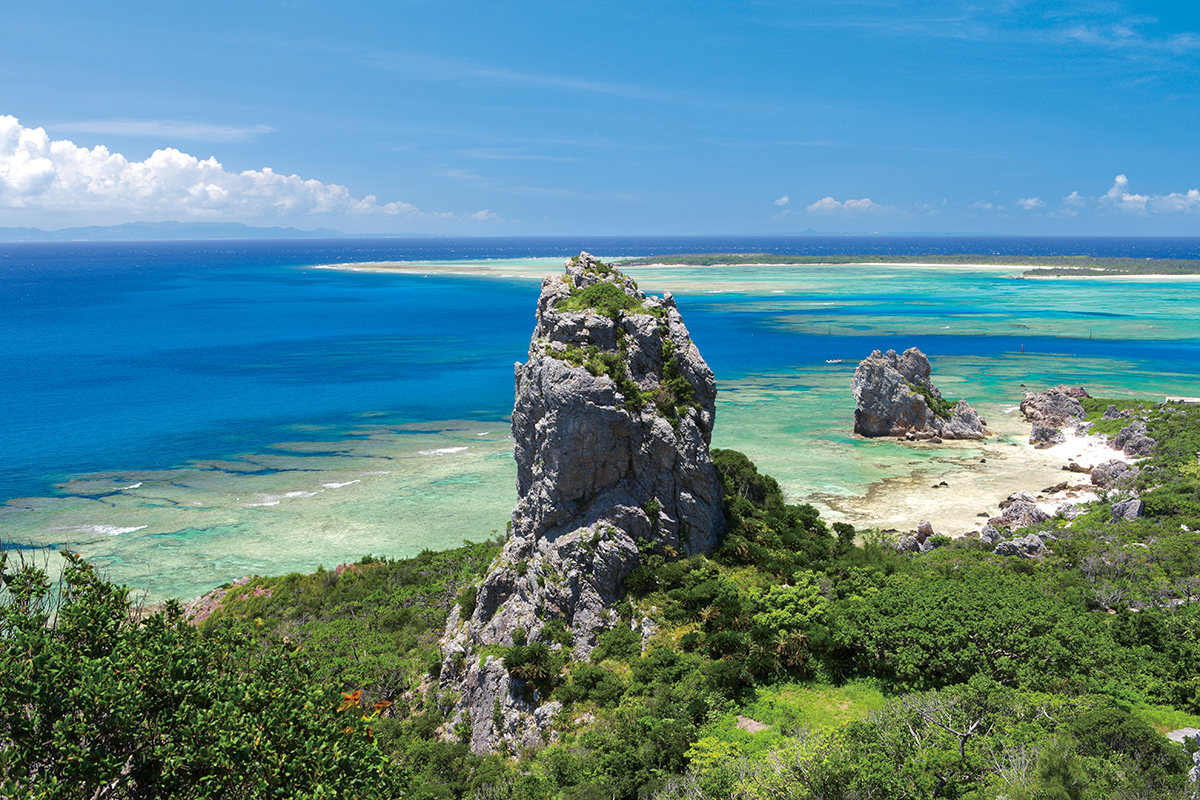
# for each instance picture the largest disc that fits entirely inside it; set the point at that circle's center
(101, 530)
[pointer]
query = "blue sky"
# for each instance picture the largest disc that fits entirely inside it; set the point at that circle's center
(605, 117)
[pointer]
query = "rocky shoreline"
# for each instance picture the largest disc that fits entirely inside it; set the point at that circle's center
(891, 402)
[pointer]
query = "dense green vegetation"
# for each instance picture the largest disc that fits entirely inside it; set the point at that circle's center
(1169, 481)
(96, 701)
(800, 660)
(1045, 265)
(604, 297)
(941, 408)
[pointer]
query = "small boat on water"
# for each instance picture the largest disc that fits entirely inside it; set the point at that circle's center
(833, 361)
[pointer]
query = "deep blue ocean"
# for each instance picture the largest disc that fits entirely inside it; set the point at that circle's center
(158, 352)
(143, 356)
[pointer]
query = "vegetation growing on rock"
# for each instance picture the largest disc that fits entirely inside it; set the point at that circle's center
(941, 408)
(604, 297)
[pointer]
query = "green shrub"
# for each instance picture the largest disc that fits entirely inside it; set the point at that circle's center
(557, 632)
(467, 600)
(104, 704)
(620, 643)
(603, 297)
(941, 408)
(590, 682)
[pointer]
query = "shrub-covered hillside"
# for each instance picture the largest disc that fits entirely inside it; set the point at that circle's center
(800, 660)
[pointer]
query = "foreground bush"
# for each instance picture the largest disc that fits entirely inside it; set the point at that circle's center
(96, 703)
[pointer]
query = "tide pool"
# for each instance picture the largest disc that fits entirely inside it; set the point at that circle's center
(187, 414)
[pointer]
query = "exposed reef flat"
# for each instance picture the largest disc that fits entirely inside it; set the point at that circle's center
(1044, 265)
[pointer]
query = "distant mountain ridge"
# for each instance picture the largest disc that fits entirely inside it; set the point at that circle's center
(151, 231)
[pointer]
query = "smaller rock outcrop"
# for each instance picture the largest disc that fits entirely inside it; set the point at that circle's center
(896, 397)
(1112, 474)
(1112, 413)
(1134, 440)
(1044, 436)
(1029, 546)
(1058, 407)
(1129, 509)
(1019, 510)
(1051, 411)
(919, 542)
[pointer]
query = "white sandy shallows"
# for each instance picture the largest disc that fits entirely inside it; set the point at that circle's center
(958, 493)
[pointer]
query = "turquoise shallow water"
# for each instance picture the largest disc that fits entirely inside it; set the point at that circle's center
(184, 422)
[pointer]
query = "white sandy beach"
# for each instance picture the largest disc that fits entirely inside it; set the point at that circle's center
(975, 484)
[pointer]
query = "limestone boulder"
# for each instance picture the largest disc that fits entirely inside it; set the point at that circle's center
(1044, 436)
(895, 396)
(1111, 474)
(1129, 509)
(1058, 407)
(1134, 440)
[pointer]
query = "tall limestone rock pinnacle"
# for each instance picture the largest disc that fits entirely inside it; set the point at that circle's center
(896, 397)
(612, 423)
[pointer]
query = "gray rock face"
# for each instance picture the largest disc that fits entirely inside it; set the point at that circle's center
(1019, 511)
(613, 417)
(890, 390)
(1044, 436)
(1129, 509)
(1112, 413)
(1029, 546)
(1112, 473)
(1057, 407)
(919, 542)
(990, 535)
(1134, 440)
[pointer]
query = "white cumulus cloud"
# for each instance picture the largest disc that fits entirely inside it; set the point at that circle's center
(783, 201)
(1071, 205)
(60, 177)
(1118, 197)
(828, 204)
(1030, 203)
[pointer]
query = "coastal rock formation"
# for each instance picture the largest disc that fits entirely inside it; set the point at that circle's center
(1058, 407)
(1129, 509)
(1113, 474)
(896, 397)
(1133, 440)
(1051, 411)
(919, 542)
(990, 534)
(1019, 510)
(1112, 413)
(613, 417)
(1029, 546)
(1044, 436)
